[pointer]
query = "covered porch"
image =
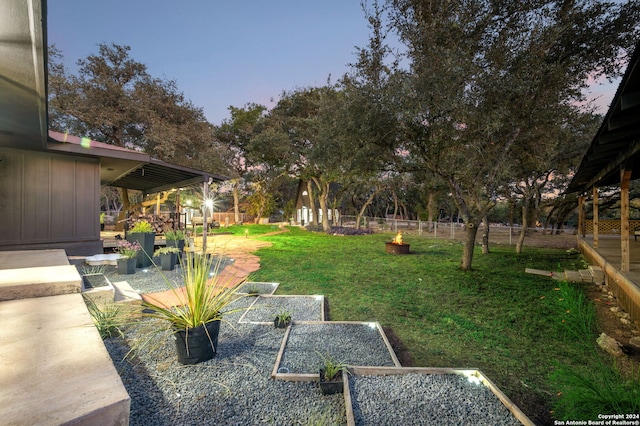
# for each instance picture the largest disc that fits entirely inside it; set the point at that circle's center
(611, 163)
(625, 285)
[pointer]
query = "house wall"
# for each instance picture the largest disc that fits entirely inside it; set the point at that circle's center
(49, 201)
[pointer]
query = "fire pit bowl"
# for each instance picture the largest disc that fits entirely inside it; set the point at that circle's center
(397, 246)
(394, 248)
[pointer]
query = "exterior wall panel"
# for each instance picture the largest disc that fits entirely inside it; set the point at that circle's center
(48, 198)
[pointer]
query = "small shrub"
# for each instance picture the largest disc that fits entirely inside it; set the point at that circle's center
(92, 269)
(141, 226)
(342, 230)
(174, 234)
(330, 367)
(108, 318)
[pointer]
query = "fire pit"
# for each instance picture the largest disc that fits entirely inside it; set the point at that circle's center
(397, 246)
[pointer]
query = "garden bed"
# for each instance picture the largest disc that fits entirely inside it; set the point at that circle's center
(427, 396)
(302, 308)
(351, 343)
(260, 288)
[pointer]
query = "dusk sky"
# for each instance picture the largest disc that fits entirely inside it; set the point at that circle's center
(223, 53)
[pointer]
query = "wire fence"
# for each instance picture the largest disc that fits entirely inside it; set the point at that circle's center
(498, 233)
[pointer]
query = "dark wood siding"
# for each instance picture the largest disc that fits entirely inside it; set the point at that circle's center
(48, 198)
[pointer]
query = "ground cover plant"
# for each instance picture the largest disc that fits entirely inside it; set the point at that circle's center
(511, 325)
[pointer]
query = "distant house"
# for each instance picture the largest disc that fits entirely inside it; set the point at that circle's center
(50, 182)
(304, 213)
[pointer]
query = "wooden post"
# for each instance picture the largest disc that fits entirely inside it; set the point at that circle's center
(625, 178)
(581, 216)
(205, 195)
(595, 217)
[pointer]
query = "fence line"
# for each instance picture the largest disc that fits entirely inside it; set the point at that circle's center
(444, 230)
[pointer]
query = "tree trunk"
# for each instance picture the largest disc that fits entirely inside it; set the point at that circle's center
(431, 207)
(364, 207)
(312, 204)
(525, 225)
(236, 200)
(122, 216)
(471, 229)
(322, 199)
(485, 235)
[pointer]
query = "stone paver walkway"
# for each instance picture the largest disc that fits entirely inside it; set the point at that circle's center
(238, 248)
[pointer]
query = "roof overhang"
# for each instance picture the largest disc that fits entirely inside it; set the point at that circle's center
(23, 100)
(617, 142)
(126, 168)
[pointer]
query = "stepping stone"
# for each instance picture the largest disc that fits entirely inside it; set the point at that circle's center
(586, 276)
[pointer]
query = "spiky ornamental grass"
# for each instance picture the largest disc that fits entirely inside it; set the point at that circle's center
(202, 299)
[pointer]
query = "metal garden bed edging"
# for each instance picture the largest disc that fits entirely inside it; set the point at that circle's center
(282, 375)
(472, 374)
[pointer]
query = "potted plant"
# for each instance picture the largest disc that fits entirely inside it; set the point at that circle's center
(283, 319)
(202, 303)
(331, 375)
(168, 257)
(175, 236)
(128, 252)
(142, 233)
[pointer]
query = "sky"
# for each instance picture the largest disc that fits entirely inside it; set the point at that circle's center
(219, 52)
(225, 53)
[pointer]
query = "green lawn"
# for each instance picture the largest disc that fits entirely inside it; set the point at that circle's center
(497, 318)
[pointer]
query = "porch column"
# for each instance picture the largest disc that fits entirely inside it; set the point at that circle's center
(625, 178)
(595, 217)
(581, 216)
(205, 196)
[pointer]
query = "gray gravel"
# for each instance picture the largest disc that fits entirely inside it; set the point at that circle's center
(234, 388)
(425, 399)
(301, 308)
(258, 287)
(352, 344)
(151, 279)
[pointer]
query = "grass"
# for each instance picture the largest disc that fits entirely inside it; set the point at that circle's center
(497, 318)
(248, 230)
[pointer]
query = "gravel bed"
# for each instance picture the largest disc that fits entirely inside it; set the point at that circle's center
(425, 399)
(352, 344)
(258, 287)
(150, 279)
(234, 388)
(302, 308)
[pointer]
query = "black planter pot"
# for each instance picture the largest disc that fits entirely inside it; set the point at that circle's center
(126, 266)
(197, 345)
(168, 261)
(146, 241)
(278, 323)
(333, 386)
(179, 244)
(176, 243)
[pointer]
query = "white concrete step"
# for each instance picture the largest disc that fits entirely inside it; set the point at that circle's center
(55, 368)
(36, 273)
